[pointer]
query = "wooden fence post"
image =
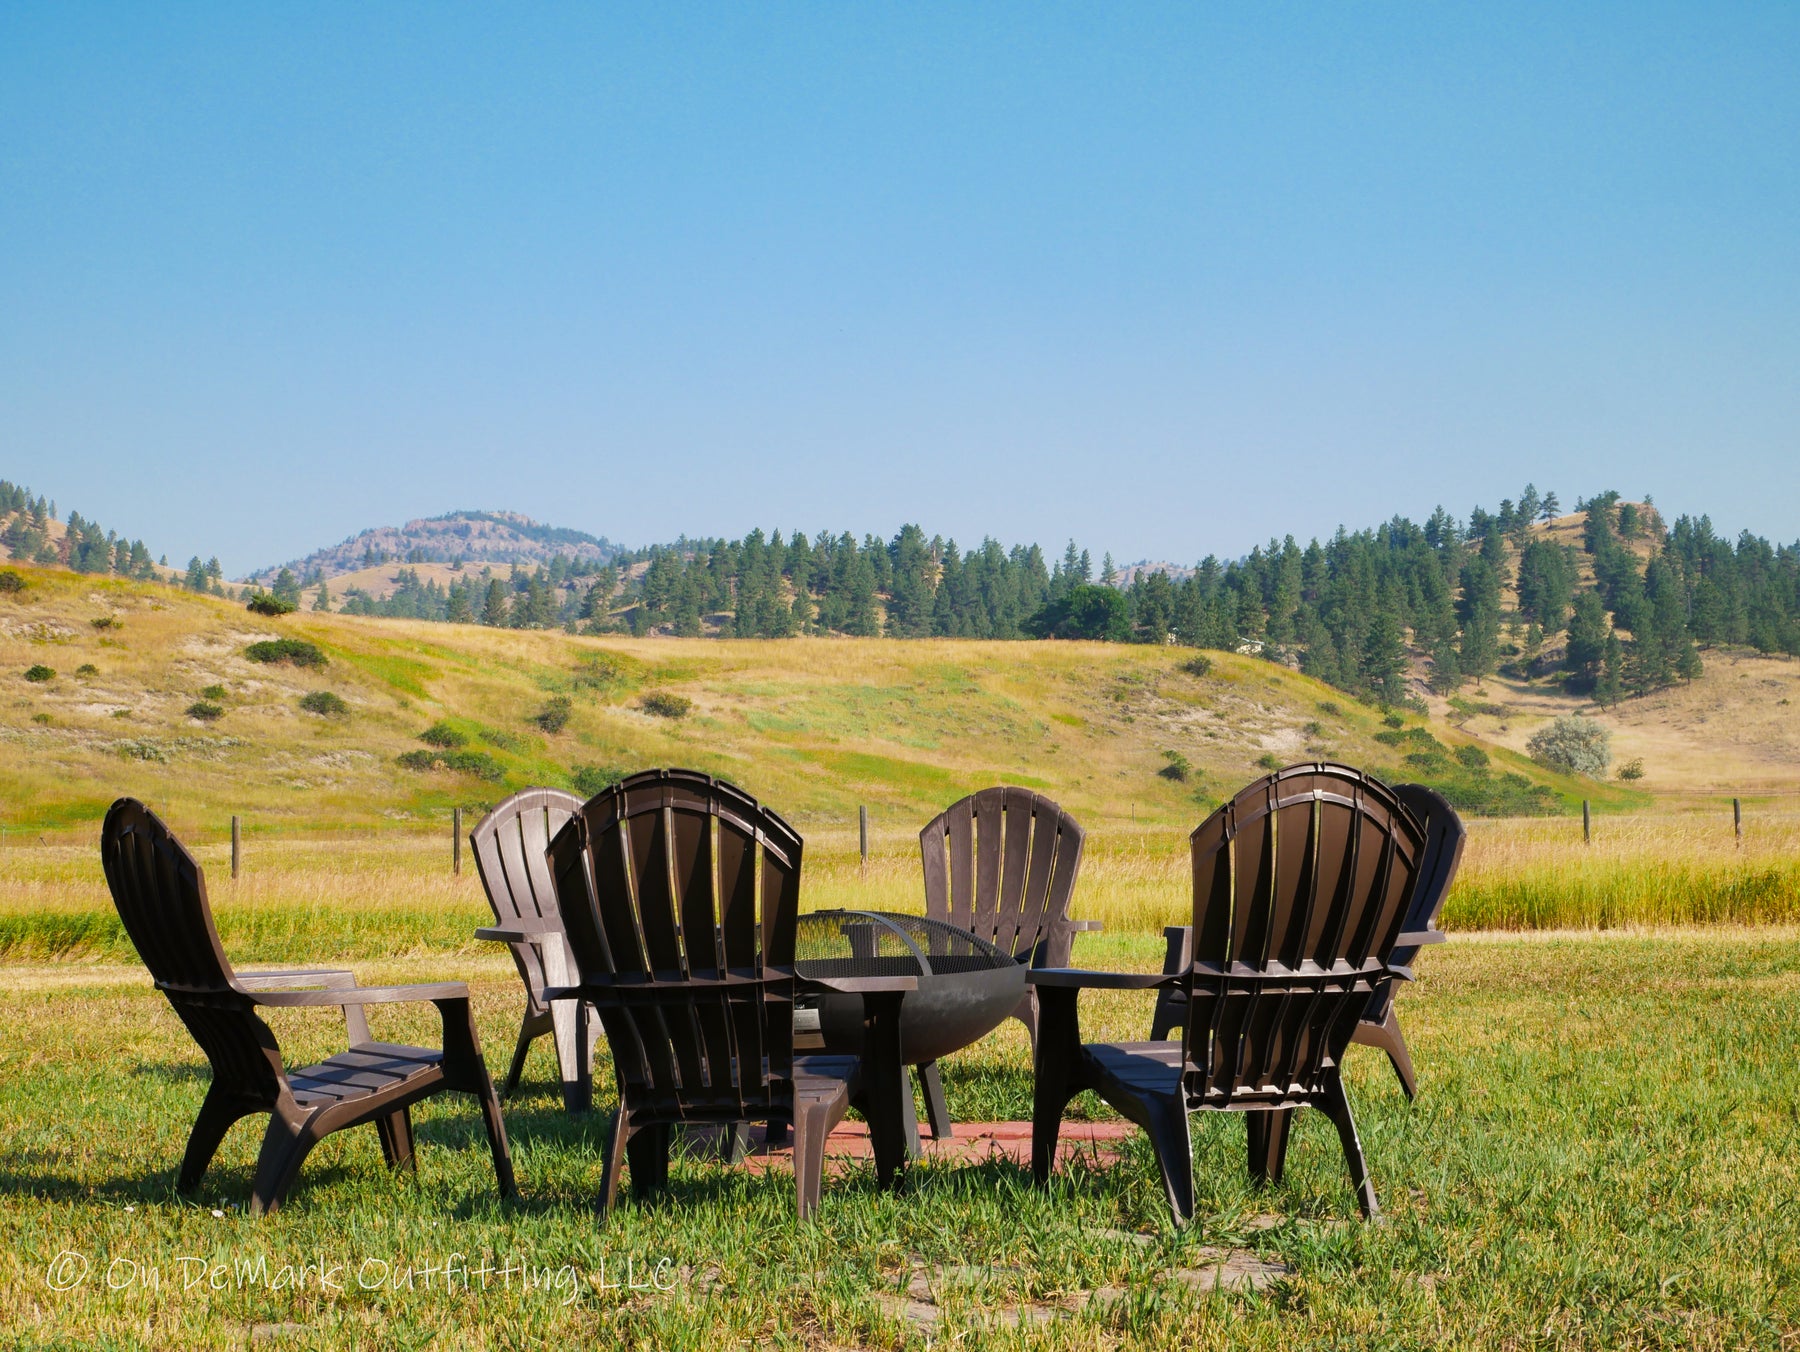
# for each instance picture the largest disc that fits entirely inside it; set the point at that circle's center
(1587, 824)
(862, 817)
(237, 845)
(456, 841)
(1737, 821)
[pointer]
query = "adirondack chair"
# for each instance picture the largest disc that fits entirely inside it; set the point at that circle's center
(160, 893)
(1301, 885)
(1379, 1026)
(679, 896)
(509, 846)
(1002, 864)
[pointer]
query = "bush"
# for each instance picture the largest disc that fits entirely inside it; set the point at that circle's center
(1330, 709)
(11, 581)
(40, 672)
(205, 710)
(506, 741)
(295, 651)
(1200, 665)
(477, 763)
(554, 716)
(1632, 769)
(87, 669)
(324, 703)
(1178, 768)
(1472, 757)
(1268, 761)
(1573, 743)
(603, 671)
(1394, 721)
(666, 705)
(213, 692)
(442, 734)
(267, 603)
(590, 779)
(106, 622)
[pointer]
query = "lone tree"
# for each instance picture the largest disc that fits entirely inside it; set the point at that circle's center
(1573, 743)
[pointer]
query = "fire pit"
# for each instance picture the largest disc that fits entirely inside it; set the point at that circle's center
(967, 986)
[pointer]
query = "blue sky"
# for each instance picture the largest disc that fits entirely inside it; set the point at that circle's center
(1164, 279)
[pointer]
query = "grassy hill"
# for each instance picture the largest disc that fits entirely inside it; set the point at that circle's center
(815, 726)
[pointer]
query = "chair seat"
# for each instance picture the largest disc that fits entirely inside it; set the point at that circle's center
(825, 1074)
(1146, 1067)
(367, 1069)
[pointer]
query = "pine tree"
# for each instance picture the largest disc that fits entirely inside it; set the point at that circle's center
(1609, 688)
(322, 601)
(493, 606)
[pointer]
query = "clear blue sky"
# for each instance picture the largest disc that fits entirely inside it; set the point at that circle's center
(1164, 279)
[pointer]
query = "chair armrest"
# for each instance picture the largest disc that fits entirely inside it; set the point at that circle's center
(860, 985)
(1419, 938)
(1403, 973)
(1086, 926)
(335, 978)
(518, 934)
(1109, 981)
(364, 995)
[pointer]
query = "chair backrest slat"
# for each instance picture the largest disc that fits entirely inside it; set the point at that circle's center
(1003, 864)
(686, 889)
(1301, 883)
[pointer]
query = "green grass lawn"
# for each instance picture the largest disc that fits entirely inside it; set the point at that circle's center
(1603, 1156)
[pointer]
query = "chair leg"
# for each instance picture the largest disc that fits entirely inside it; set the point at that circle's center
(497, 1144)
(1387, 1036)
(520, 1051)
(1268, 1133)
(1171, 1013)
(1168, 1130)
(396, 1135)
(936, 1110)
(1336, 1105)
(648, 1154)
(616, 1137)
(812, 1123)
(285, 1147)
(217, 1114)
(908, 1113)
(1053, 1084)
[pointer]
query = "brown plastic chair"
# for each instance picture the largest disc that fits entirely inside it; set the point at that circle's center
(1002, 864)
(160, 893)
(1379, 1026)
(679, 896)
(509, 846)
(1301, 884)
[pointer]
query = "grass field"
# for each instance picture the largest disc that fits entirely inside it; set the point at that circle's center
(1601, 1158)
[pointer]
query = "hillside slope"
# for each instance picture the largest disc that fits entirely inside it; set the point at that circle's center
(475, 537)
(815, 726)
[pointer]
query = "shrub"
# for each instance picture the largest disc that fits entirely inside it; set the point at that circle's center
(590, 779)
(1632, 769)
(1330, 709)
(87, 669)
(106, 622)
(11, 581)
(214, 692)
(1178, 768)
(603, 671)
(1314, 729)
(666, 705)
(1268, 761)
(1573, 743)
(42, 718)
(205, 710)
(506, 741)
(1472, 757)
(295, 651)
(477, 763)
(267, 603)
(39, 672)
(442, 734)
(1394, 721)
(1200, 665)
(325, 703)
(554, 716)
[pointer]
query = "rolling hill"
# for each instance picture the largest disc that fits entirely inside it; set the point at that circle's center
(815, 726)
(473, 537)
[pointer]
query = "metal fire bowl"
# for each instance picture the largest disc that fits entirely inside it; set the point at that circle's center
(949, 1011)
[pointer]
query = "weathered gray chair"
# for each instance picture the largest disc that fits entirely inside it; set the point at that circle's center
(509, 845)
(680, 899)
(1002, 864)
(160, 893)
(1379, 1026)
(1301, 885)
